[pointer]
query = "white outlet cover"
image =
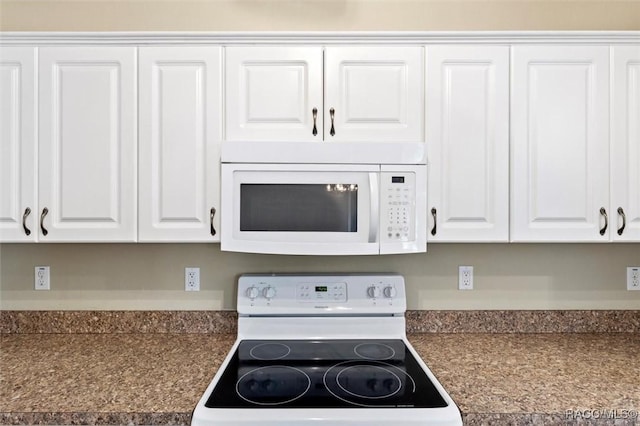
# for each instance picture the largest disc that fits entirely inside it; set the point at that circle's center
(42, 278)
(191, 279)
(465, 278)
(633, 278)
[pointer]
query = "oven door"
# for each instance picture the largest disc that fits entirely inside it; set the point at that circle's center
(300, 209)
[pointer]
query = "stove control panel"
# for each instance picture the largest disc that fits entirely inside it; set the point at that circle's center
(321, 294)
(318, 292)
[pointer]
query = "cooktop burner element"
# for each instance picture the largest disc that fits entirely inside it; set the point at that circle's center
(361, 383)
(273, 385)
(323, 350)
(268, 351)
(374, 351)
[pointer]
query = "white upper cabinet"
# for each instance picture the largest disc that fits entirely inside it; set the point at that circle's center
(180, 122)
(120, 141)
(18, 144)
(625, 143)
(560, 143)
(374, 93)
(467, 134)
(273, 93)
(87, 149)
(371, 93)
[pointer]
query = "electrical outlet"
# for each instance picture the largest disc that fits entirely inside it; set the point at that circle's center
(633, 278)
(191, 279)
(42, 278)
(465, 278)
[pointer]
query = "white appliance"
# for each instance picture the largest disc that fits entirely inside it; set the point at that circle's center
(323, 350)
(324, 198)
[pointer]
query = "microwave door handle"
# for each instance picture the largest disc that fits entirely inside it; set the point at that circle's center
(374, 213)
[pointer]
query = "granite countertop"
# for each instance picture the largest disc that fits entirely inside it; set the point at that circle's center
(120, 378)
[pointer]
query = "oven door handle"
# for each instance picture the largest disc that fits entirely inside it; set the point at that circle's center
(374, 203)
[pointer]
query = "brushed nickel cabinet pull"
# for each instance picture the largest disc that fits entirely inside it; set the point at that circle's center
(332, 113)
(212, 214)
(603, 212)
(315, 118)
(45, 211)
(27, 212)
(435, 220)
(624, 220)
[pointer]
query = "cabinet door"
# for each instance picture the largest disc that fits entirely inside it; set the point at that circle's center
(180, 120)
(467, 136)
(272, 92)
(374, 93)
(625, 143)
(560, 143)
(18, 206)
(87, 150)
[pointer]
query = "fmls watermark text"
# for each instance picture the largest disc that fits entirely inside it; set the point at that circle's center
(601, 413)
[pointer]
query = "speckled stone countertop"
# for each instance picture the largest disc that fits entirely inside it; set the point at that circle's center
(137, 378)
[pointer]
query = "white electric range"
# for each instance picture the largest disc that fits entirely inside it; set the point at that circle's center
(323, 350)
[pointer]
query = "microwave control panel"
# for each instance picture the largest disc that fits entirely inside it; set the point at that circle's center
(397, 202)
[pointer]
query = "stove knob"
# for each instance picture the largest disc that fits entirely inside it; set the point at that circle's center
(252, 292)
(269, 292)
(373, 292)
(389, 292)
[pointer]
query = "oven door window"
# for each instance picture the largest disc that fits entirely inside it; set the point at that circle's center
(287, 207)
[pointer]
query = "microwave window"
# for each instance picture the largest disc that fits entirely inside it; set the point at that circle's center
(299, 207)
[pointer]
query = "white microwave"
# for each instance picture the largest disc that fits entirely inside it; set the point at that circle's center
(323, 198)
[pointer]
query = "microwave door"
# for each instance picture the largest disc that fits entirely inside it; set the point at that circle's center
(311, 211)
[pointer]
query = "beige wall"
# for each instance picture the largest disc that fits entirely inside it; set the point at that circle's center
(151, 276)
(142, 276)
(317, 15)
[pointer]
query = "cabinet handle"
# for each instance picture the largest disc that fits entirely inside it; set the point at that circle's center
(435, 220)
(27, 212)
(332, 114)
(603, 212)
(315, 118)
(624, 220)
(211, 215)
(45, 211)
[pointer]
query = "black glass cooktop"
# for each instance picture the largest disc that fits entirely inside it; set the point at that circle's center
(324, 374)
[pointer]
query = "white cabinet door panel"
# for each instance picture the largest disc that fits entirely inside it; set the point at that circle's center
(560, 143)
(180, 121)
(375, 93)
(468, 142)
(271, 93)
(625, 143)
(18, 144)
(87, 153)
